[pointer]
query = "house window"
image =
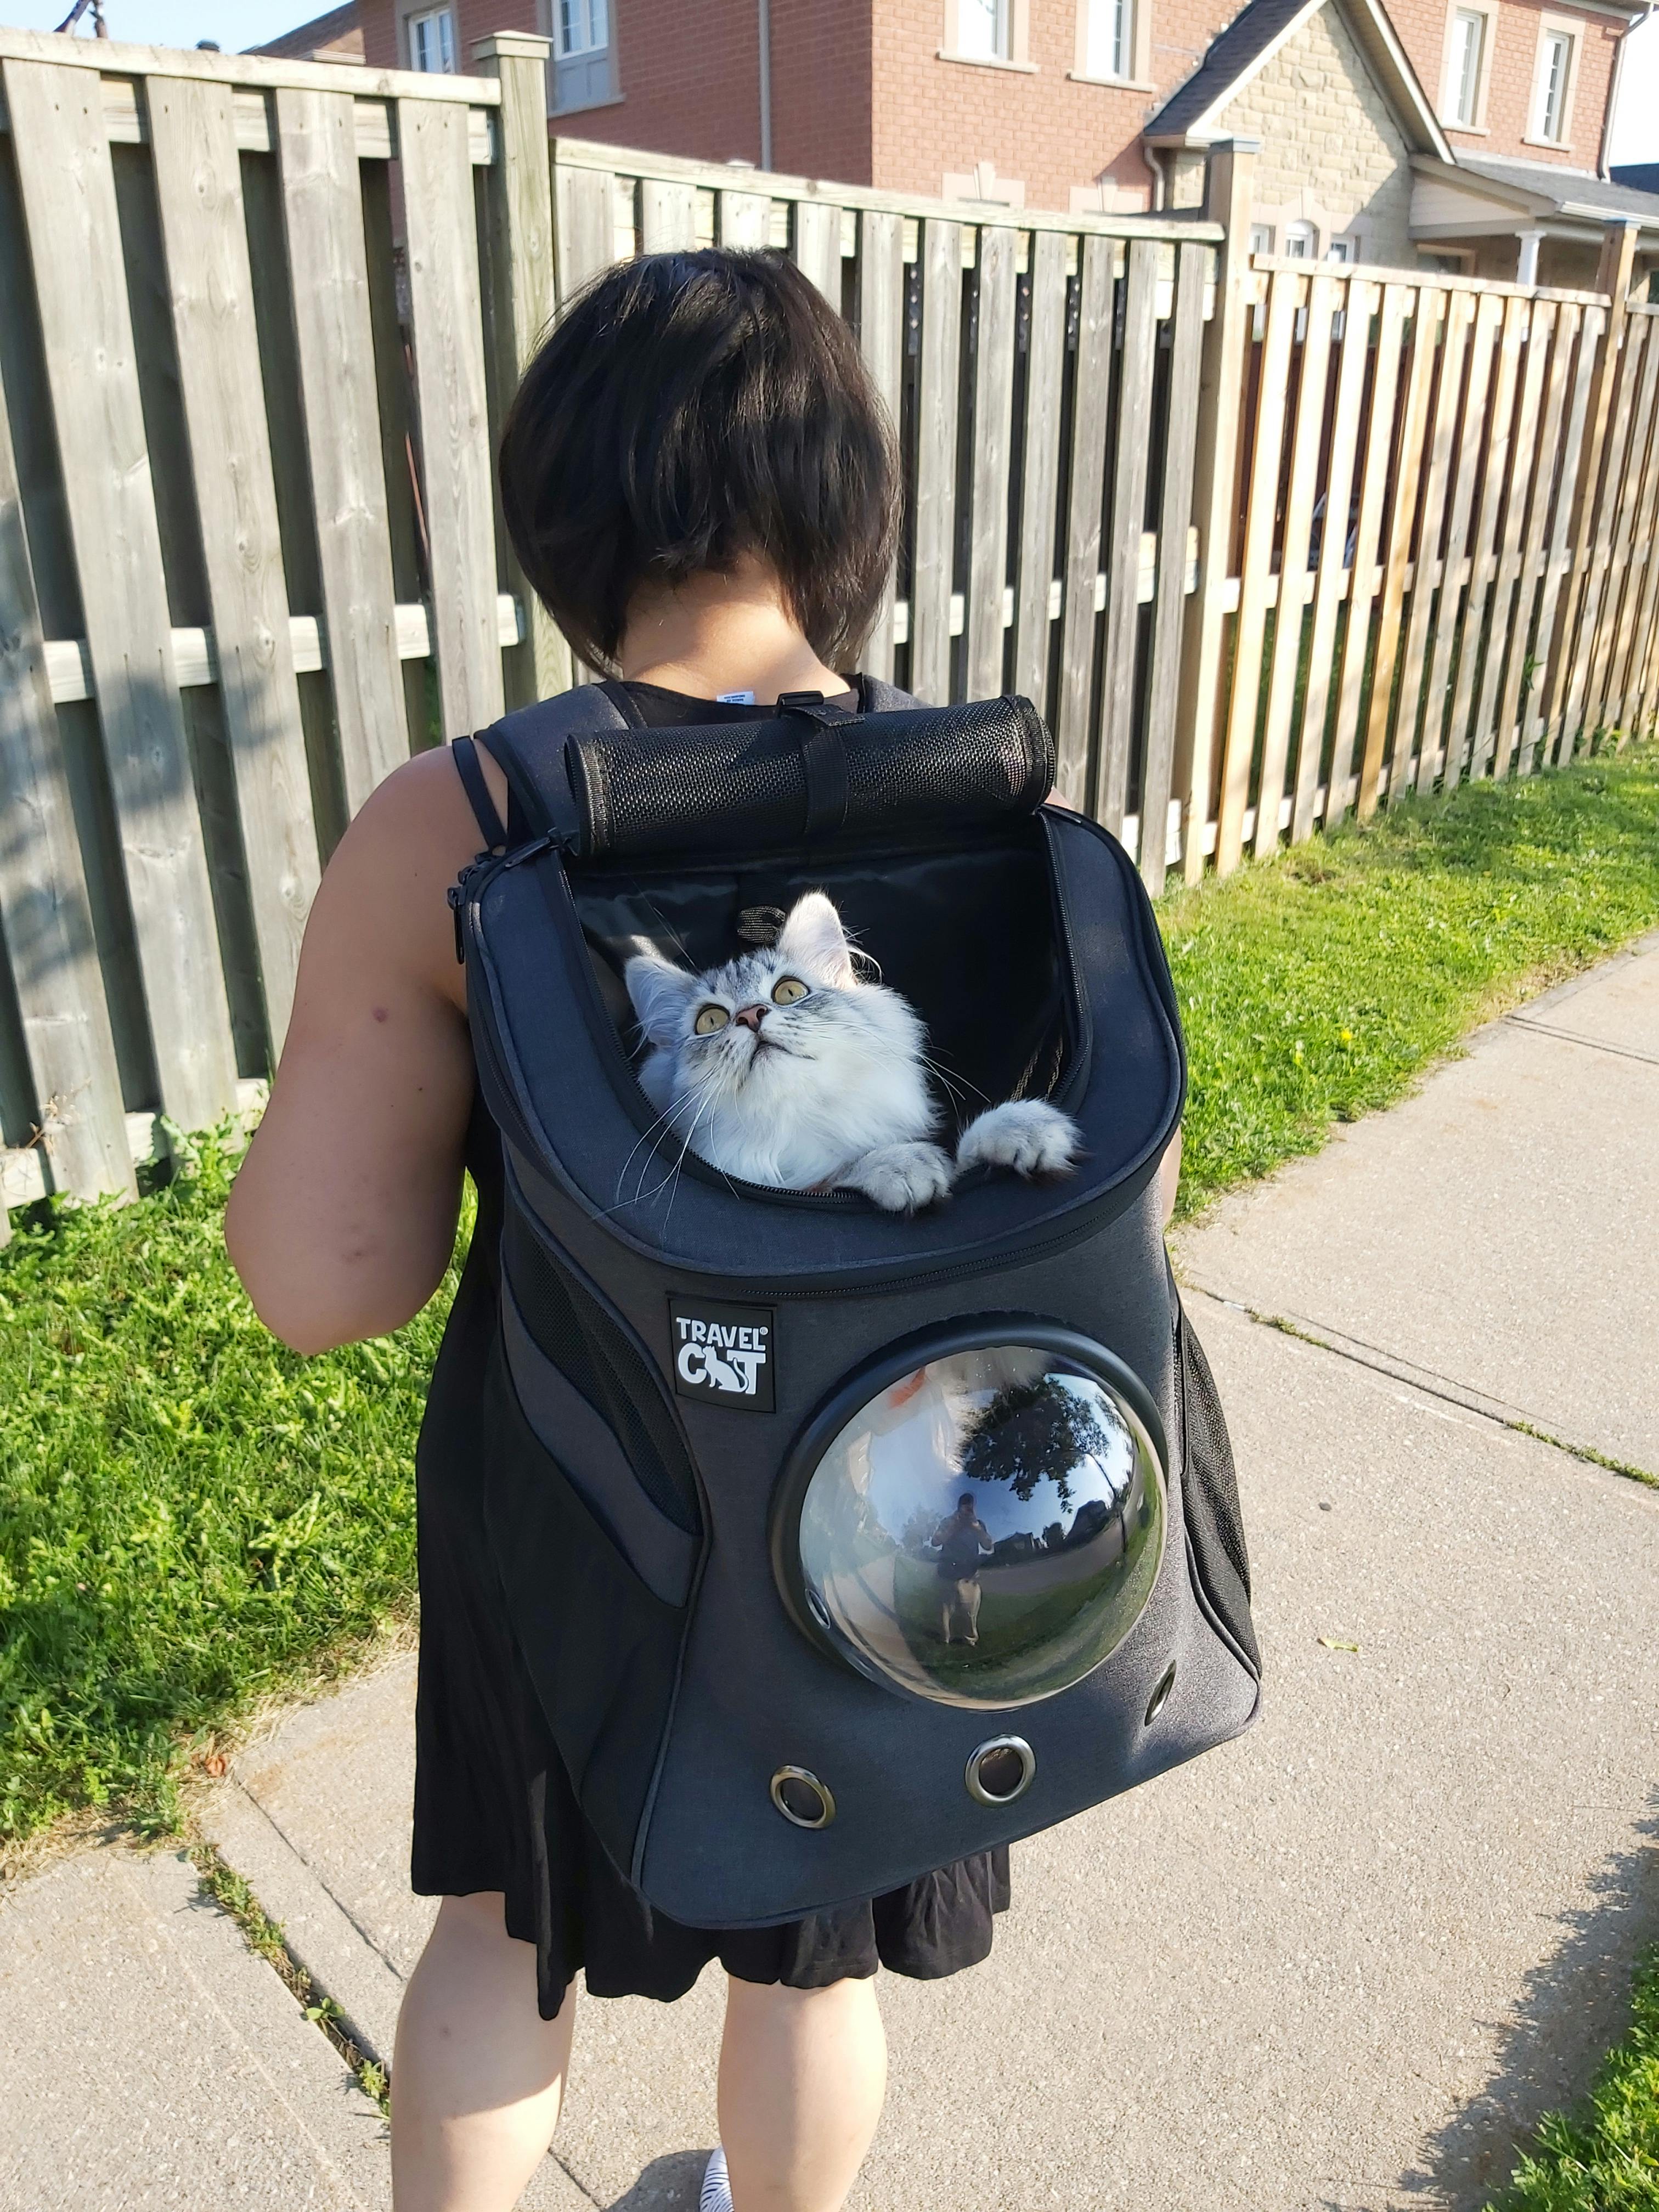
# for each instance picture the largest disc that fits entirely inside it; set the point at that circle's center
(1261, 238)
(1108, 38)
(1301, 241)
(1340, 249)
(1469, 54)
(985, 29)
(1554, 84)
(581, 54)
(432, 41)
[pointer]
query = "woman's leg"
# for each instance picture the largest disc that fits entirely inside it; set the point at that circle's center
(478, 2072)
(803, 2073)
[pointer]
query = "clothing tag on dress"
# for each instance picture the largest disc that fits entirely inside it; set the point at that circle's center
(734, 698)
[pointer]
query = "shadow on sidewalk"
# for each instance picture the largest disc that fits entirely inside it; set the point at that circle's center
(667, 2185)
(1575, 2005)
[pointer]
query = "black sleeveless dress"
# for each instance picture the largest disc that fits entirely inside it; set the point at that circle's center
(493, 1809)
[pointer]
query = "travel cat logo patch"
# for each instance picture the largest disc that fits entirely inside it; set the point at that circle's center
(722, 1354)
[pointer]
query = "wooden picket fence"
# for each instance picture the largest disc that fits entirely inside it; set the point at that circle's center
(267, 315)
(1440, 489)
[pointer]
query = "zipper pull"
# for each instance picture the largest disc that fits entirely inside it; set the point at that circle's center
(551, 842)
(457, 897)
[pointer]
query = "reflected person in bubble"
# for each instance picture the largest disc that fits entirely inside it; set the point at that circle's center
(962, 1540)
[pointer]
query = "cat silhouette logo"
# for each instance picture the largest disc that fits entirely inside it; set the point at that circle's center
(722, 1354)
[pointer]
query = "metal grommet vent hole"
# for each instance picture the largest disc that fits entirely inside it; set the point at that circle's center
(1000, 1770)
(801, 1798)
(1160, 1696)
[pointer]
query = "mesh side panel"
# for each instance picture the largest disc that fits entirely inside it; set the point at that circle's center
(1209, 1448)
(582, 1339)
(724, 787)
(1210, 1492)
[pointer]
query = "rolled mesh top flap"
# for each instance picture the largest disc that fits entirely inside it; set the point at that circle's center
(808, 776)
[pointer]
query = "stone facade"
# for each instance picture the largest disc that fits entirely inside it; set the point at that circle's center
(1333, 157)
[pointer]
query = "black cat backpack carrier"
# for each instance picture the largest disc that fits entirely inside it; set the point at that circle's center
(840, 1543)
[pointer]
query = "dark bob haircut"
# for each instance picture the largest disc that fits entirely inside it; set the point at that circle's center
(687, 410)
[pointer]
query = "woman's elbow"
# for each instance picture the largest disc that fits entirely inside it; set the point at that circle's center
(318, 1306)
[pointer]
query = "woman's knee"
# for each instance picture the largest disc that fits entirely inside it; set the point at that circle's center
(778, 2002)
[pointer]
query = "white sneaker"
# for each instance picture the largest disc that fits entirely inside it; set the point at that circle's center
(716, 2195)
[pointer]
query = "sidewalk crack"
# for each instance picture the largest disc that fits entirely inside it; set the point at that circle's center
(1590, 1044)
(1428, 1380)
(340, 1906)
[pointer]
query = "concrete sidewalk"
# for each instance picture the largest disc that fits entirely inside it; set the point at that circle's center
(1339, 1967)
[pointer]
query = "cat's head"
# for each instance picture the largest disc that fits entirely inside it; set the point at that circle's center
(791, 1026)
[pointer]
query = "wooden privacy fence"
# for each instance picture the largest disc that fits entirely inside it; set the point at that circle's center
(1438, 526)
(260, 321)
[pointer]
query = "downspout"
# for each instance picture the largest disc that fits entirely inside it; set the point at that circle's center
(1149, 155)
(764, 28)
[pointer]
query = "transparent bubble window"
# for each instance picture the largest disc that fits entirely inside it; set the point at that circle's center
(984, 1528)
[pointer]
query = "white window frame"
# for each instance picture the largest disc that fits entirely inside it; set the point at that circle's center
(587, 10)
(581, 78)
(1552, 28)
(1301, 240)
(1014, 25)
(1261, 238)
(1450, 73)
(412, 22)
(1135, 46)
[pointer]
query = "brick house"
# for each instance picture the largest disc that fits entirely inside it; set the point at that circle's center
(1470, 132)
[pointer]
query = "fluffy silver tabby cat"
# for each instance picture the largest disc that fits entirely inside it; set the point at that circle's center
(784, 1067)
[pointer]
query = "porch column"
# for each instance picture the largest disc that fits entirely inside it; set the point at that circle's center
(1526, 269)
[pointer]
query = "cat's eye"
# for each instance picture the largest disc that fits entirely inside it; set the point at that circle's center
(710, 1019)
(786, 990)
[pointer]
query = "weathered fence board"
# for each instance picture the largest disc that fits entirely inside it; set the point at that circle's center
(452, 412)
(1045, 373)
(522, 296)
(68, 196)
(934, 558)
(1174, 504)
(46, 917)
(204, 234)
(992, 421)
(881, 342)
(334, 336)
(1134, 401)
(816, 246)
(1092, 394)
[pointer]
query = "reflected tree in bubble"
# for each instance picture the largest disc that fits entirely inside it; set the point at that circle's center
(986, 1530)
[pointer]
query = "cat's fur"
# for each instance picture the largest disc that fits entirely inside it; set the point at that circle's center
(830, 1092)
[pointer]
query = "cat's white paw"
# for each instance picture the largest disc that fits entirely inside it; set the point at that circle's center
(901, 1178)
(1026, 1134)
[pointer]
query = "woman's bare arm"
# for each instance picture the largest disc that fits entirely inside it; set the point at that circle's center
(342, 1220)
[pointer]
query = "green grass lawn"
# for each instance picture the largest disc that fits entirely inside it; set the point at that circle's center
(1604, 2158)
(1315, 987)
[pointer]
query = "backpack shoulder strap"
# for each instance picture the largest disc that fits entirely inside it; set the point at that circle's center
(881, 698)
(530, 747)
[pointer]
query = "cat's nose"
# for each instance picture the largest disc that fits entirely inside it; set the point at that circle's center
(750, 1018)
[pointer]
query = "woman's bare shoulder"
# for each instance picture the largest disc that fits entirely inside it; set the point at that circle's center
(392, 869)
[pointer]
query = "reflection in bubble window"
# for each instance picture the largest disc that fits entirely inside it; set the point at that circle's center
(987, 1529)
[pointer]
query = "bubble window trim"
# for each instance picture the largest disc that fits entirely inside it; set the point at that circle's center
(942, 1340)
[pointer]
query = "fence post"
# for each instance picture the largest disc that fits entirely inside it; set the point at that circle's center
(1227, 197)
(520, 285)
(1565, 682)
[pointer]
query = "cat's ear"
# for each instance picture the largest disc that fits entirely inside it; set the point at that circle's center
(659, 992)
(814, 939)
